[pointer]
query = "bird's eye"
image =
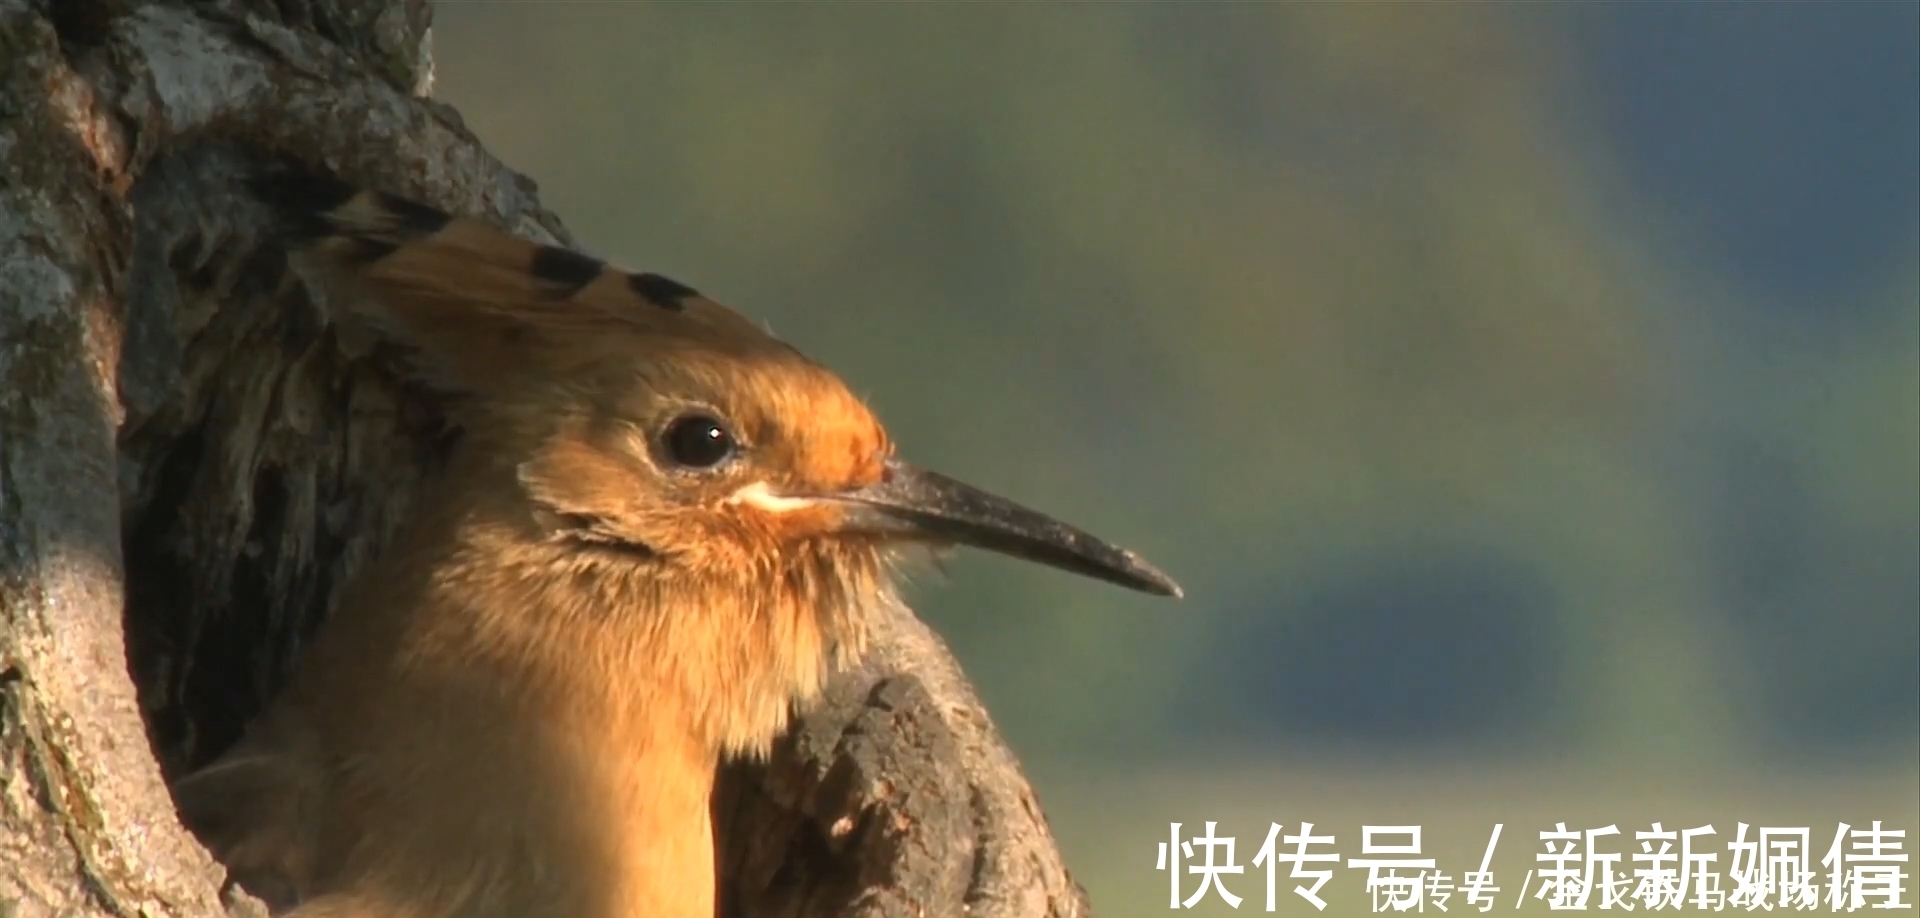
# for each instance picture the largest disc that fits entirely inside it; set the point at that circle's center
(697, 441)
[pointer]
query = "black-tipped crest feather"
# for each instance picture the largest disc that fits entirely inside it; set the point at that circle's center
(566, 269)
(300, 202)
(312, 208)
(664, 292)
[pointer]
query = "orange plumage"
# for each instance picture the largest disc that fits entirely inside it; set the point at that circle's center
(662, 531)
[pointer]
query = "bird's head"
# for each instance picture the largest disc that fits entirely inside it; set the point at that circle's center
(656, 436)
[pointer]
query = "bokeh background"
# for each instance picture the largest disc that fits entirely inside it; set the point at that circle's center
(1528, 396)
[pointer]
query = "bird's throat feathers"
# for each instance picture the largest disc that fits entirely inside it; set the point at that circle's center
(601, 638)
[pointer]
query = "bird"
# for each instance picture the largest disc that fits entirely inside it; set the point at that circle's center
(659, 534)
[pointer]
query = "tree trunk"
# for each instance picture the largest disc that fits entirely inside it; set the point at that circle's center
(191, 463)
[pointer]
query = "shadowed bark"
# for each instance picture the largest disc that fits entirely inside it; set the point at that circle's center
(191, 464)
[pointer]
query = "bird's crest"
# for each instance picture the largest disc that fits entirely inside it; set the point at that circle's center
(544, 334)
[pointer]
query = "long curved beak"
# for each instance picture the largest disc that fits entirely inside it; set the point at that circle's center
(914, 503)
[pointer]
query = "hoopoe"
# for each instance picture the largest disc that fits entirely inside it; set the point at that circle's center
(662, 530)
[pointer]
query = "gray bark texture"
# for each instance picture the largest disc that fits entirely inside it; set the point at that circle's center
(191, 463)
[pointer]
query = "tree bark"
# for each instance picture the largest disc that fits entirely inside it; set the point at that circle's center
(192, 463)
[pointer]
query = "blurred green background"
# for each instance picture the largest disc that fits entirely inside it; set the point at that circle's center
(1527, 396)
